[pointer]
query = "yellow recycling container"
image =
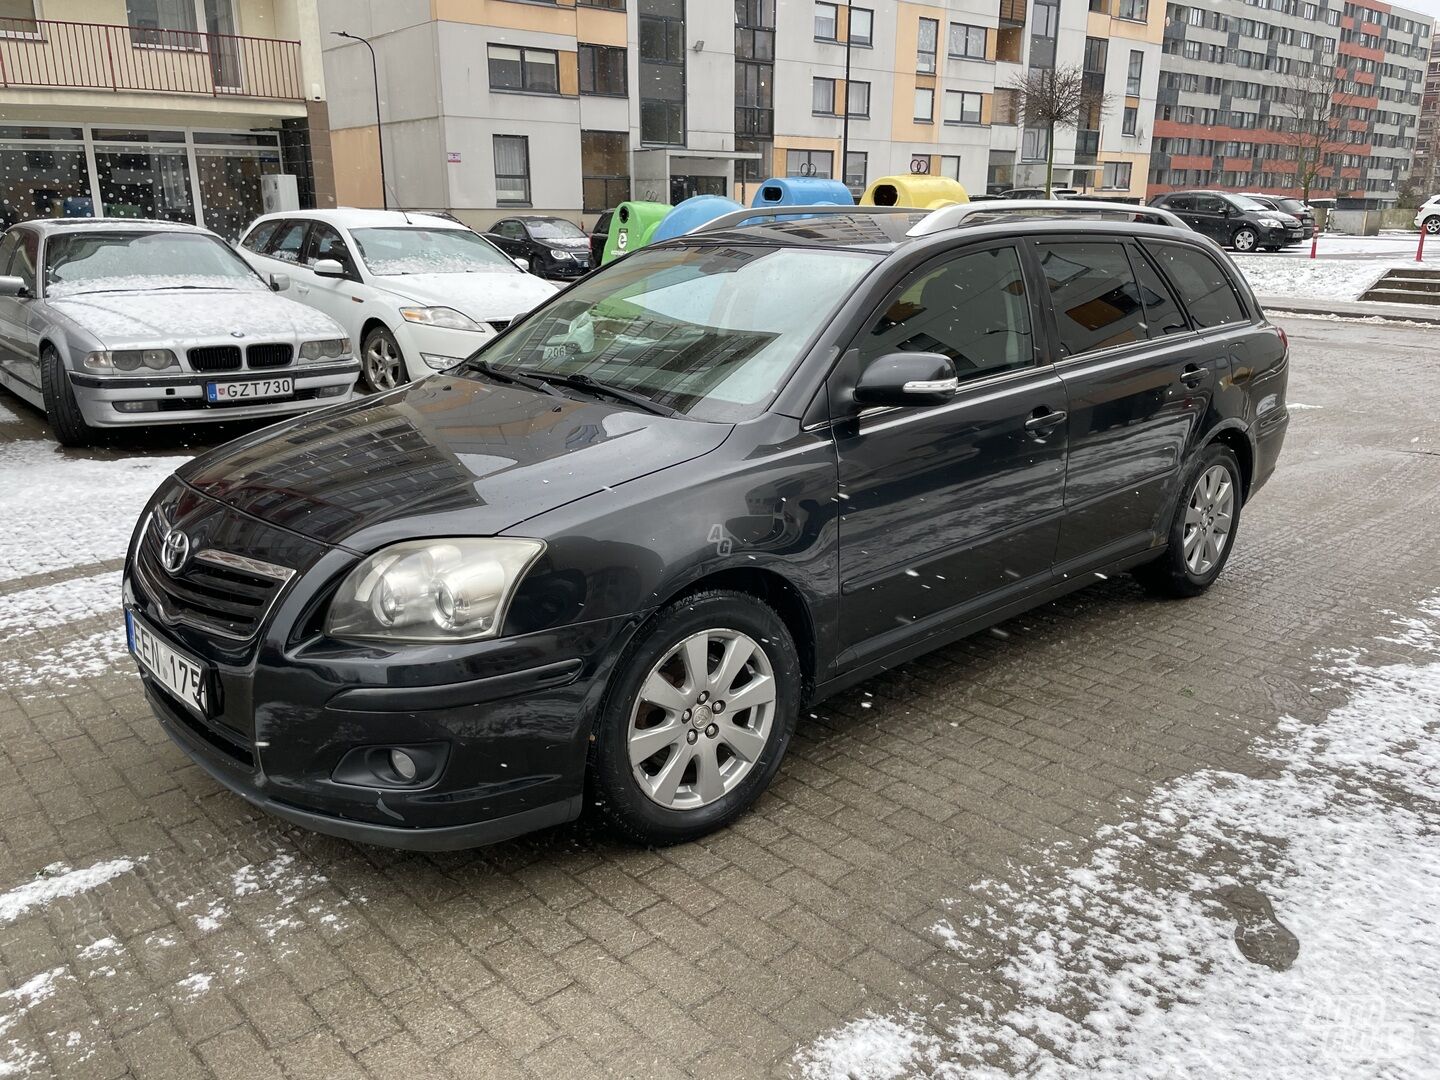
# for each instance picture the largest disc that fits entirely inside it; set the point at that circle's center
(922, 192)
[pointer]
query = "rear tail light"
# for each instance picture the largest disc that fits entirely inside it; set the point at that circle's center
(1284, 338)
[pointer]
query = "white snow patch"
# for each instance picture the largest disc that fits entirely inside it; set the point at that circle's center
(99, 948)
(69, 664)
(55, 605)
(62, 510)
(1295, 406)
(17, 1060)
(43, 890)
(1130, 966)
(1318, 279)
(6, 416)
(195, 985)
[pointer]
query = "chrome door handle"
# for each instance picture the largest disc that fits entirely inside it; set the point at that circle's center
(1193, 376)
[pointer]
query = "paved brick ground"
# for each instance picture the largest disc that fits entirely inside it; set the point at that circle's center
(236, 946)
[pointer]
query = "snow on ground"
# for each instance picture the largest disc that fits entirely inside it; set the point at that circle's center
(1387, 243)
(1321, 958)
(63, 510)
(7, 416)
(1314, 279)
(55, 605)
(63, 883)
(73, 663)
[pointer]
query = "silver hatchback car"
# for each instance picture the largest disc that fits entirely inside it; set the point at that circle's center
(116, 323)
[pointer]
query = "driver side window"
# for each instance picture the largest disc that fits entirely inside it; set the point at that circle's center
(327, 243)
(972, 308)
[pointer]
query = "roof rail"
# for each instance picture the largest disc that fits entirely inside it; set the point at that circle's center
(737, 217)
(949, 217)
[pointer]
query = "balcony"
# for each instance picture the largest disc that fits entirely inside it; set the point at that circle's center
(47, 54)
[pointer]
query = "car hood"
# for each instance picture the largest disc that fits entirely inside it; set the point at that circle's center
(448, 456)
(499, 295)
(178, 316)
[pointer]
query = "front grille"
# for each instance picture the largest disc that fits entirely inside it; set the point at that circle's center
(269, 356)
(215, 358)
(499, 324)
(227, 599)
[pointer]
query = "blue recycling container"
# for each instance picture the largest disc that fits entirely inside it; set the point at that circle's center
(802, 191)
(692, 213)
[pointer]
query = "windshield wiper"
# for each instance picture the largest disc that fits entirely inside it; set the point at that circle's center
(585, 382)
(519, 378)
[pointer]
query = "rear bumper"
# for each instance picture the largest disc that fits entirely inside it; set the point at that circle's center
(180, 399)
(1269, 438)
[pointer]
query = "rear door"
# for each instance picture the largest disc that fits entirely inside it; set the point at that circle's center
(1211, 218)
(949, 509)
(1138, 377)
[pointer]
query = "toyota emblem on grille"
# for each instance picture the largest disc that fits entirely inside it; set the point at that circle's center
(174, 551)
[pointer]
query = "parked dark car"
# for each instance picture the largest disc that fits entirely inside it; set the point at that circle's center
(634, 538)
(1039, 193)
(555, 247)
(599, 236)
(1297, 209)
(1236, 221)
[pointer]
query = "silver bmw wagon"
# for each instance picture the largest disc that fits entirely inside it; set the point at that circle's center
(109, 323)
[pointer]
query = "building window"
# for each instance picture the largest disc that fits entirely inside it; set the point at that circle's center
(809, 163)
(602, 71)
(530, 71)
(1132, 76)
(18, 17)
(925, 46)
(856, 168)
(662, 72)
(950, 166)
(962, 107)
(605, 169)
(755, 30)
(1116, 174)
(827, 22)
(862, 27)
(1135, 10)
(1129, 119)
(1000, 171)
(512, 170)
(967, 42)
(1034, 144)
(857, 98)
(1006, 106)
(608, 5)
(924, 105)
(822, 96)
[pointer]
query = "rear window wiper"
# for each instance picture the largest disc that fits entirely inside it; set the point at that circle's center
(585, 382)
(519, 378)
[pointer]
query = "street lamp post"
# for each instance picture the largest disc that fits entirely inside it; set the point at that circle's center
(379, 125)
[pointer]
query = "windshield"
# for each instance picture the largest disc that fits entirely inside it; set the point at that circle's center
(88, 262)
(709, 332)
(428, 251)
(554, 229)
(1248, 204)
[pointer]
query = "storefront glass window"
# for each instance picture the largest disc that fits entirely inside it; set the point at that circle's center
(42, 180)
(230, 187)
(145, 182)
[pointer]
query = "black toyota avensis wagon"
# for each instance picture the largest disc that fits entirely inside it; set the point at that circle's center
(611, 557)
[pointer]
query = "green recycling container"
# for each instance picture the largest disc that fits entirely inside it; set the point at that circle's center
(632, 227)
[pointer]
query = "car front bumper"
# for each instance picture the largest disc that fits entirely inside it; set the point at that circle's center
(180, 399)
(428, 349)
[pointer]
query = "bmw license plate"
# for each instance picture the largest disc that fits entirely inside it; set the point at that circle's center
(250, 389)
(172, 669)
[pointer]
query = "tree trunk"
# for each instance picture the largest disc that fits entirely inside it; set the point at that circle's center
(1050, 164)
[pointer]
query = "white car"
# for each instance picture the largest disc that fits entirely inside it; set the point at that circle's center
(1428, 216)
(418, 292)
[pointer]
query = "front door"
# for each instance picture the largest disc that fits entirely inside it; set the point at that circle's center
(1138, 378)
(949, 509)
(1210, 218)
(333, 296)
(19, 341)
(684, 187)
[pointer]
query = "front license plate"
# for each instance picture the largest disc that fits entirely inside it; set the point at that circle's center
(250, 390)
(172, 669)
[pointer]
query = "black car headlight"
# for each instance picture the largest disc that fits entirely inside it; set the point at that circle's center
(432, 590)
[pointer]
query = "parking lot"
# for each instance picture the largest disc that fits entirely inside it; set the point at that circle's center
(1105, 780)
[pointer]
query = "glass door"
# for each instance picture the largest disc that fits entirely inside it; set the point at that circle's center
(224, 47)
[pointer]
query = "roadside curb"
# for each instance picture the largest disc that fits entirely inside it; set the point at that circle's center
(1351, 309)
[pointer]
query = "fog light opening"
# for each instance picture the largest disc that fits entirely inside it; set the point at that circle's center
(404, 765)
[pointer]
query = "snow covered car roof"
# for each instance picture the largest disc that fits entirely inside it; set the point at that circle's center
(349, 217)
(49, 226)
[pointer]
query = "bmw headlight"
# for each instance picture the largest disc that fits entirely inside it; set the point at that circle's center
(131, 360)
(444, 317)
(432, 590)
(328, 349)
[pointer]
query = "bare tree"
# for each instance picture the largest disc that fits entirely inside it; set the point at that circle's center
(1313, 107)
(1050, 98)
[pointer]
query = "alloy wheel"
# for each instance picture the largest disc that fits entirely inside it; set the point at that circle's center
(1244, 240)
(382, 363)
(1208, 519)
(1432, 225)
(702, 719)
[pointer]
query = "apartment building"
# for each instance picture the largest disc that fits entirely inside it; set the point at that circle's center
(570, 106)
(1223, 118)
(1425, 168)
(168, 109)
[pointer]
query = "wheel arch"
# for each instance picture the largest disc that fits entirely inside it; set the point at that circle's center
(1238, 440)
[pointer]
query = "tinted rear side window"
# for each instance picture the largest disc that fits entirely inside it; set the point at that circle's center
(1180, 202)
(1094, 294)
(1203, 285)
(1162, 312)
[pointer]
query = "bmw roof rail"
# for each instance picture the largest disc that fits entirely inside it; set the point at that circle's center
(951, 217)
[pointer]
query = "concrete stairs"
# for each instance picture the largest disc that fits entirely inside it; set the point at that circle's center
(1417, 286)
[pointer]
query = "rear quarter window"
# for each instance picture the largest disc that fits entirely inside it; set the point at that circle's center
(1204, 287)
(257, 238)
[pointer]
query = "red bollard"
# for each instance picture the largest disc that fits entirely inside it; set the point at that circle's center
(1420, 248)
(1314, 240)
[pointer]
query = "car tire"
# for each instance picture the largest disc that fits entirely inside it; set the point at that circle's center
(1432, 225)
(1210, 496)
(1244, 239)
(67, 422)
(382, 363)
(699, 769)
